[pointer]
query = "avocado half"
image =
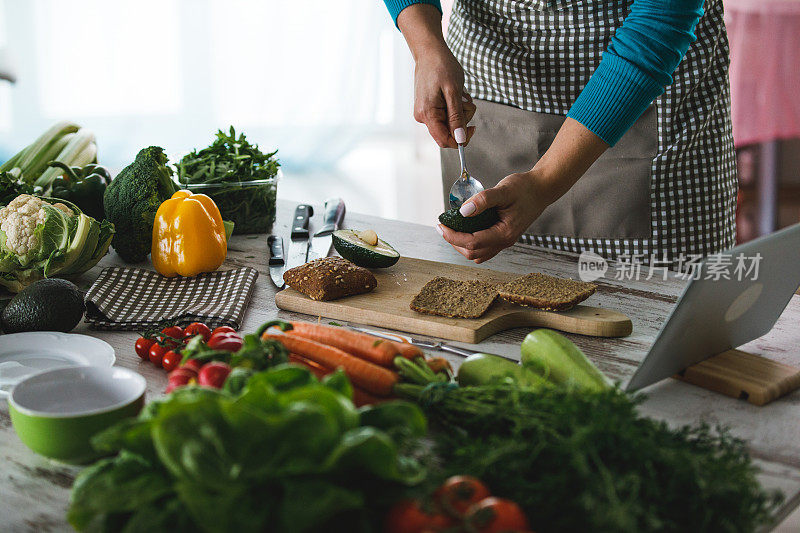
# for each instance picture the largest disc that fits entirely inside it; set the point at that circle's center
(351, 247)
(458, 222)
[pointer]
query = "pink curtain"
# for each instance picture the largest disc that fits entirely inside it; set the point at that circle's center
(765, 69)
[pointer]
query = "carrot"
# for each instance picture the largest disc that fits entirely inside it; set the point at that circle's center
(373, 349)
(409, 351)
(360, 396)
(315, 368)
(372, 378)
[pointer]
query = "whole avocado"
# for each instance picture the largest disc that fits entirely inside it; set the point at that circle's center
(46, 305)
(458, 222)
(132, 199)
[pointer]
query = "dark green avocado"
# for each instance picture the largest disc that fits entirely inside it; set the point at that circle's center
(351, 247)
(46, 305)
(458, 222)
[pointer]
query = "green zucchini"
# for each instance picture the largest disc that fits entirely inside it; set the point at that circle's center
(484, 368)
(557, 359)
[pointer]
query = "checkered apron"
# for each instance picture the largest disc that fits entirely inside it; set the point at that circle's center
(537, 56)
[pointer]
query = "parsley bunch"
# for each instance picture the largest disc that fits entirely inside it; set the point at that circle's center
(589, 462)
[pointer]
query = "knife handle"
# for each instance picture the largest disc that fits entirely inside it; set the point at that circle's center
(275, 244)
(332, 217)
(300, 222)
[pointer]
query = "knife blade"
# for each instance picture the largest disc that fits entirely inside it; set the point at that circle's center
(276, 262)
(298, 246)
(331, 219)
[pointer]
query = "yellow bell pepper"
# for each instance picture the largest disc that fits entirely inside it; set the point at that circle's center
(188, 236)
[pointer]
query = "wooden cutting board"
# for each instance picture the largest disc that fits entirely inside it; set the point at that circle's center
(388, 307)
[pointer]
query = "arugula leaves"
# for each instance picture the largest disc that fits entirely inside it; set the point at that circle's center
(223, 170)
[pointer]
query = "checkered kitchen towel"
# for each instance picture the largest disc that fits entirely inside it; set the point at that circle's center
(136, 299)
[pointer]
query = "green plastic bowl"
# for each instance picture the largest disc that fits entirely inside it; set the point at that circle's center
(56, 413)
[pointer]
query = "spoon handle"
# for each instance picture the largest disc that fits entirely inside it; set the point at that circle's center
(463, 157)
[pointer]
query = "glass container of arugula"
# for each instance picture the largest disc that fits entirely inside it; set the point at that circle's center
(242, 180)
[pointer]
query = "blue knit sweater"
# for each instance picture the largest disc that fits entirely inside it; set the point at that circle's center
(635, 68)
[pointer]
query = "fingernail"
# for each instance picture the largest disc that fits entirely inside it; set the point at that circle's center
(439, 230)
(460, 135)
(467, 209)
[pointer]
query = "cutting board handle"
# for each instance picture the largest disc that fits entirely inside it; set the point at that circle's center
(581, 319)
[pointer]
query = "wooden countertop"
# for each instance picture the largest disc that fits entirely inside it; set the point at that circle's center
(34, 492)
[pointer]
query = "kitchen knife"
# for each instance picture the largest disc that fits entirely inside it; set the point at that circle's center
(298, 247)
(331, 219)
(276, 261)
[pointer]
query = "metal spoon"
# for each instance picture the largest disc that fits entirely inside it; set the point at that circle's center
(466, 186)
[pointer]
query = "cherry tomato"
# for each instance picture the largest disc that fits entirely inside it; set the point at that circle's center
(493, 515)
(192, 364)
(142, 347)
(176, 336)
(157, 354)
(408, 516)
(171, 360)
(223, 329)
(197, 328)
(458, 493)
(230, 342)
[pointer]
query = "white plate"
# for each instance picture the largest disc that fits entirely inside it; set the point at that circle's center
(24, 354)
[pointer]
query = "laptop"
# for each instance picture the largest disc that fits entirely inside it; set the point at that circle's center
(732, 298)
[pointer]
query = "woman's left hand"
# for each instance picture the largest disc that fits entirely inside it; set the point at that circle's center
(519, 199)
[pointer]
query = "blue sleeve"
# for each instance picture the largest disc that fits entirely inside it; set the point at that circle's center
(396, 6)
(637, 65)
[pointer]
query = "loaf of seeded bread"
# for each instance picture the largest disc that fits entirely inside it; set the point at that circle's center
(330, 278)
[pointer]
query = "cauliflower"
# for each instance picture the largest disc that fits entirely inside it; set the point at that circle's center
(19, 219)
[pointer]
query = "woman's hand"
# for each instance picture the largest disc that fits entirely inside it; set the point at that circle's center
(440, 101)
(519, 199)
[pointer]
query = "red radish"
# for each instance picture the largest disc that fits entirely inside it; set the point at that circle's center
(192, 364)
(180, 377)
(223, 329)
(213, 374)
(230, 342)
(182, 374)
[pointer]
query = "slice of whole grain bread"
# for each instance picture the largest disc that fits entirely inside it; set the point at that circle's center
(457, 299)
(546, 292)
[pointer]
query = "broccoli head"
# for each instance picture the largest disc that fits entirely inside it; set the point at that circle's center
(132, 199)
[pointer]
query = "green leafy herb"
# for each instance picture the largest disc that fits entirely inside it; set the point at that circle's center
(11, 187)
(589, 462)
(229, 164)
(287, 454)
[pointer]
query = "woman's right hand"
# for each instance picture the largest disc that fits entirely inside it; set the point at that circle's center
(440, 101)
